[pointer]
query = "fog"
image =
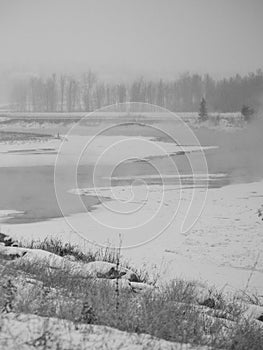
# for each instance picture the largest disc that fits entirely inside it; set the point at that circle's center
(131, 152)
(239, 154)
(122, 39)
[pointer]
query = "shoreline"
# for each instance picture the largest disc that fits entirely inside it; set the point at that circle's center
(220, 249)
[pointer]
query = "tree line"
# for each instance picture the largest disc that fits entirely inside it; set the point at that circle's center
(86, 92)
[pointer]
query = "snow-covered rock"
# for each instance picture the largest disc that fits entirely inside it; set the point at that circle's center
(103, 269)
(5, 239)
(99, 269)
(254, 312)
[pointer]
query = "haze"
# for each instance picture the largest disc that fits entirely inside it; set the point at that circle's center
(124, 37)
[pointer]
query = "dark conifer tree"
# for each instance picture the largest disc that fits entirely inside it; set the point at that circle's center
(203, 110)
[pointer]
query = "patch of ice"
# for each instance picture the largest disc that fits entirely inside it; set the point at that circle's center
(168, 176)
(8, 214)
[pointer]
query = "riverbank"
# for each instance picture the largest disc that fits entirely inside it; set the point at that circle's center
(53, 294)
(222, 241)
(223, 247)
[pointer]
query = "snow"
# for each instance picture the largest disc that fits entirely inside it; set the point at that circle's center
(4, 214)
(106, 149)
(222, 248)
(27, 153)
(21, 331)
(212, 235)
(169, 176)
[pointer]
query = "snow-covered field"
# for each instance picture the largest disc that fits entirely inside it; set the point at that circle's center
(6, 214)
(30, 120)
(89, 149)
(29, 153)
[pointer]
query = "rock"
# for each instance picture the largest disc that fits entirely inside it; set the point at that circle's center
(260, 212)
(209, 302)
(111, 274)
(103, 269)
(135, 287)
(139, 287)
(208, 312)
(32, 255)
(7, 240)
(254, 312)
(98, 269)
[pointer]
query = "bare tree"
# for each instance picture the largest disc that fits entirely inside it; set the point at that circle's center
(72, 94)
(182, 94)
(89, 79)
(122, 93)
(19, 96)
(62, 91)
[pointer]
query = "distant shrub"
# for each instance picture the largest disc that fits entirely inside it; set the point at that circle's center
(247, 112)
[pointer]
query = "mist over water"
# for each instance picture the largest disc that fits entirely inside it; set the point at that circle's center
(237, 159)
(239, 154)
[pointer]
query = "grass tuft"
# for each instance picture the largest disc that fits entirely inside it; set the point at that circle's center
(171, 313)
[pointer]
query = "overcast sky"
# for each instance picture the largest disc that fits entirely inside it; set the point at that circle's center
(164, 36)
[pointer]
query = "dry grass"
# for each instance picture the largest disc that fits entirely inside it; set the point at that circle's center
(11, 136)
(58, 247)
(172, 313)
(107, 254)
